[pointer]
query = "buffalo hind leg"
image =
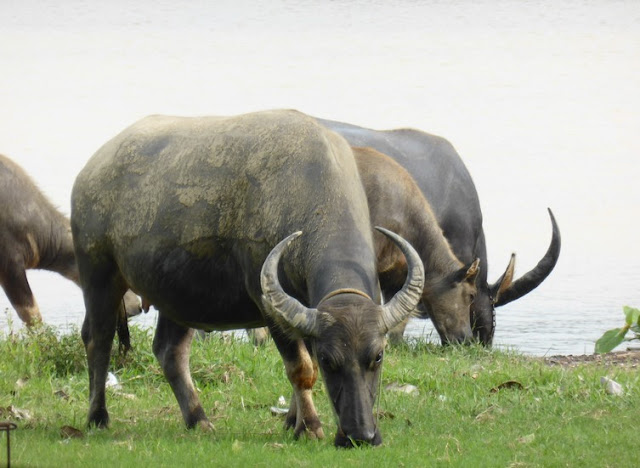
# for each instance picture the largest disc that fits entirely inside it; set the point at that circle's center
(17, 289)
(171, 346)
(98, 331)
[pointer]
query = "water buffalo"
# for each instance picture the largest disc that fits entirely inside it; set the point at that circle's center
(447, 185)
(396, 203)
(187, 211)
(33, 235)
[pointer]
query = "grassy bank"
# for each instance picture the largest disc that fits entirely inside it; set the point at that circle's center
(471, 407)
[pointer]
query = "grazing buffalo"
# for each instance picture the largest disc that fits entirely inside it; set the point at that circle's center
(201, 217)
(447, 185)
(33, 235)
(396, 203)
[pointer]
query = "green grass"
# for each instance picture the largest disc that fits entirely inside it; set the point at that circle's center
(552, 416)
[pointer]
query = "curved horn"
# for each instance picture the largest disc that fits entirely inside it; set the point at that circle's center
(277, 301)
(532, 279)
(405, 300)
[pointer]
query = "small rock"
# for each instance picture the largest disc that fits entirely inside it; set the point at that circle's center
(406, 388)
(611, 386)
(11, 412)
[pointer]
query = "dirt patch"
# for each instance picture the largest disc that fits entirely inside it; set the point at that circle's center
(628, 359)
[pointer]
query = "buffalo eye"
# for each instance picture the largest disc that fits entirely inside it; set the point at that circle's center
(375, 361)
(327, 362)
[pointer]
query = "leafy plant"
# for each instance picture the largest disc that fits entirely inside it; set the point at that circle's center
(613, 338)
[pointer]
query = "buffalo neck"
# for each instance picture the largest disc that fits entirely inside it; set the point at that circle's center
(347, 262)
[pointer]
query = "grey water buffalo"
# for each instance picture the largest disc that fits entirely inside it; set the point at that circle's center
(448, 187)
(396, 203)
(33, 235)
(201, 217)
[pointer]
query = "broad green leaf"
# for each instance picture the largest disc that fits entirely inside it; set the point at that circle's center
(632, 315)
(610, 340)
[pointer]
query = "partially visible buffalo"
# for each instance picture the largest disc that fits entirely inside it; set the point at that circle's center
(33, 235)
(447, 185)
(396, 203)
(191, 212)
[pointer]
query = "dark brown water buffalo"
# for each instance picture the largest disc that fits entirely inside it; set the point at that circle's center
(447, 185)
(396, 203)
(187, 211)
(33, 235)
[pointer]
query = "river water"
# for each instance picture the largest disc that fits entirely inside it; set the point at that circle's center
(541, 99)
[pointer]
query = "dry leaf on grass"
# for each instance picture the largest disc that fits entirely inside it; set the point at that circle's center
(69, 432)
(509, 384)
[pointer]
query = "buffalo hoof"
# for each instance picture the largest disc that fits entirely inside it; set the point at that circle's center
(197, 419)
(99, 419)
(205, 426)
(310, 429)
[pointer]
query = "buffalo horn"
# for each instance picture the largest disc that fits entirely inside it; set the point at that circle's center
(276, 300)
(532, 279)
(405, 300)
(503, 283)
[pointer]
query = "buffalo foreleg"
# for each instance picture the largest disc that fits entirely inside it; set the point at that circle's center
(171, 346)
(17, 289)
(302, 372)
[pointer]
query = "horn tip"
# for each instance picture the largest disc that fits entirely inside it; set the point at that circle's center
(293, 236)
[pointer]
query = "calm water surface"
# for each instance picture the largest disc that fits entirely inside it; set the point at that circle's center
(541, 100)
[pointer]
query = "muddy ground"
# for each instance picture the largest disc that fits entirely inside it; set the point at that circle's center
(629, 359)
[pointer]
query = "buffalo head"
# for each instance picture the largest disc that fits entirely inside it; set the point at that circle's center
(346, 332)
(448, 302)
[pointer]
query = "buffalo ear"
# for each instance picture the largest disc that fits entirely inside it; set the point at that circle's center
(467, 273)
(472, 271)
